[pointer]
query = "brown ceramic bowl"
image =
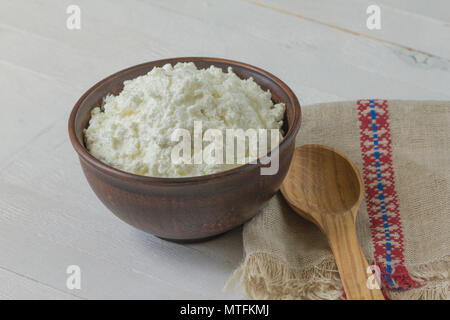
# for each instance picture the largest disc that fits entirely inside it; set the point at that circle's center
(185, 208)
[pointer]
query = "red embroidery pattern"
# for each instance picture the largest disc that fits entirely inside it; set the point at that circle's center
(381, 197)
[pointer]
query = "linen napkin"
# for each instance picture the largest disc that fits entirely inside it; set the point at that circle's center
(403, 151)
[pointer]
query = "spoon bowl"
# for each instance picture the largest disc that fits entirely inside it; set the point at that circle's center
(325, 187)
(328, 182)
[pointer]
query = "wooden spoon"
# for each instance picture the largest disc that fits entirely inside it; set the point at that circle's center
(325, 187)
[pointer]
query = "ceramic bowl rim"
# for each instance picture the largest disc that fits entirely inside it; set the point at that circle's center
(123, 175)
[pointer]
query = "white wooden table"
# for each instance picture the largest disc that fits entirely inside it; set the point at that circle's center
(49, 217)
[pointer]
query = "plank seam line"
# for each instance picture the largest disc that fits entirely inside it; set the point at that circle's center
(40, 283)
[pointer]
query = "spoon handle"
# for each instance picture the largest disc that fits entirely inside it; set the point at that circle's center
(352, 265)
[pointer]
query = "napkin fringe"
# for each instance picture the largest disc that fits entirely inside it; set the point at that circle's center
(264, 276)
(427, 275)
(438, 293)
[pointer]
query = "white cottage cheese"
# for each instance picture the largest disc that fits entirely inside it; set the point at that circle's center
(132, 131)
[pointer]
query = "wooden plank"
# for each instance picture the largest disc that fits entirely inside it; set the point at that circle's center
(31, 101)
(14, 286)
(296, 48)
(398, 27)
(437, 9)
(343, 55)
